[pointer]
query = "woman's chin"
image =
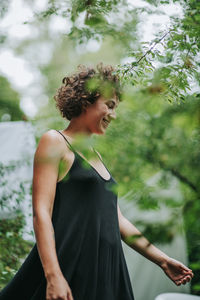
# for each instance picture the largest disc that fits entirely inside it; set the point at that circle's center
(100, 130)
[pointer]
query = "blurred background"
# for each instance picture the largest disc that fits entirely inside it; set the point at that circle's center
(152, 148)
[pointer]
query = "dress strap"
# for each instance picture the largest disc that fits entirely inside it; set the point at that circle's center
(97, 154)
(66, 140)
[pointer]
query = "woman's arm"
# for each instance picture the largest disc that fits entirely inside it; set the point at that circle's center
(175, 270)
(46, 165)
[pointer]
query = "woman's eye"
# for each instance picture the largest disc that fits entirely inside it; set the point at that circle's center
(110, 105)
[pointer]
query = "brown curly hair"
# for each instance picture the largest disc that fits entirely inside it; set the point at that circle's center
(84, 87)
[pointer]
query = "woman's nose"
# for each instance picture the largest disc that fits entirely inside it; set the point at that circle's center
(112, 114)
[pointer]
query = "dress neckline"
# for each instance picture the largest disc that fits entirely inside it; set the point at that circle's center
(84, 159)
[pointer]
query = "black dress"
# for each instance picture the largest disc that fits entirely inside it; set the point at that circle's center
(88, 242)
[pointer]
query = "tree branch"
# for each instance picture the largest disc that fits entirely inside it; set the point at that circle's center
(183, 179)
(180, 176)
(148, 51)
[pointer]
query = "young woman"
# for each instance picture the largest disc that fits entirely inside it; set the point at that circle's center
(77, 221)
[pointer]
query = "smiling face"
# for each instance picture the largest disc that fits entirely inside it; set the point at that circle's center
(98, 115)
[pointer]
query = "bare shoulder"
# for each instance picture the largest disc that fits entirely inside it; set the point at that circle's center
(52, 145)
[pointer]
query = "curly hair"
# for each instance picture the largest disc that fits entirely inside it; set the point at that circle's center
(84, 87)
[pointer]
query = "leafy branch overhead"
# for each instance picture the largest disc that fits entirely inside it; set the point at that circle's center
(169, 65)
(175, 68)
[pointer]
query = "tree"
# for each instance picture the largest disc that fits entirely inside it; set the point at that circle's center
(152, 138)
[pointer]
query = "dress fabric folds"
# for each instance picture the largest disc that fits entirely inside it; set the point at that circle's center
(88, 242)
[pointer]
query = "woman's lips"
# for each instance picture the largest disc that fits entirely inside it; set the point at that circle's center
(106, 122)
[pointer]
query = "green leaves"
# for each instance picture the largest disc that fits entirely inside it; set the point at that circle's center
(12, 248)
(95, 20)
(9, 102)
(161, 233)
(11, 196)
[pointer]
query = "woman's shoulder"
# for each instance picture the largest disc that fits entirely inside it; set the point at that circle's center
(52, 144)
(51, 138)
(51, 135)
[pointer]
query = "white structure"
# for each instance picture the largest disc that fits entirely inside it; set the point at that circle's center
(176, 296)
(17, 147)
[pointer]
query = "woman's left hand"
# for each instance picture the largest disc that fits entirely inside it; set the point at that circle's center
(177, 271)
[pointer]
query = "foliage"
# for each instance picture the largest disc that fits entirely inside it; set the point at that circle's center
(169, 71)
(176, 65)
(9, 102)
(94, 19)
(11, 195)
(151, 138)
(13, 248)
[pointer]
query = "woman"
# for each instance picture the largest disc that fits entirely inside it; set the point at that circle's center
(78, 224)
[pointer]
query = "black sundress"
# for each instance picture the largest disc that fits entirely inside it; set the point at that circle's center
(88, 241)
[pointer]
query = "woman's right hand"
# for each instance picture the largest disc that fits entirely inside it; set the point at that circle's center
(58, 289)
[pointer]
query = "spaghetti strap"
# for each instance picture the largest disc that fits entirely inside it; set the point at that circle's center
(66, 140)
(97, 154)
(82, 157)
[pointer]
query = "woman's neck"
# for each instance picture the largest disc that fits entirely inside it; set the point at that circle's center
(76, 129)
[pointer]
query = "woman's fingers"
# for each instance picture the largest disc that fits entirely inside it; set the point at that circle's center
(189, 277)
(178, 282)
(186, 270)
(183, 280)
(186, 279)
